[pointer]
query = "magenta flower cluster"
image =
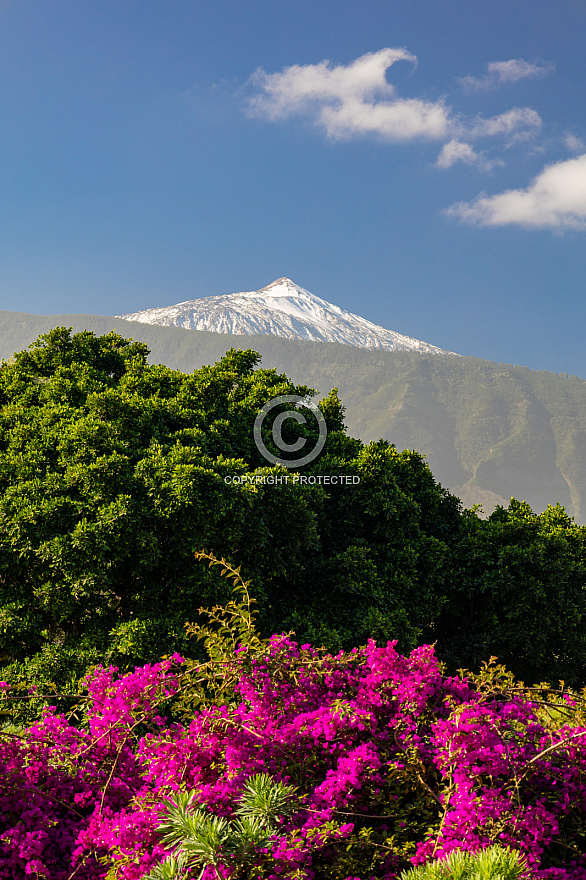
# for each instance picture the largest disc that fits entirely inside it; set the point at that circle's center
(371, 739)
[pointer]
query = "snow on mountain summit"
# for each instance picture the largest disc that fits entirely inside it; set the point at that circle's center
(280, 309)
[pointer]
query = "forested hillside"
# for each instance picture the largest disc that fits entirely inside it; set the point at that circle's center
(489, 431)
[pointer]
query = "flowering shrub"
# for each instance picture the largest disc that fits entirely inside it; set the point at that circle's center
(394, 764)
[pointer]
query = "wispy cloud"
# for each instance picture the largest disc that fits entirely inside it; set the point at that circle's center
(499, 73)
(351, 100)
(519, 122)
(574, 144)
(555, 199)
(459, 151)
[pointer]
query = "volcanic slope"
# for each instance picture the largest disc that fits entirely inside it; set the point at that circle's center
(280, 309)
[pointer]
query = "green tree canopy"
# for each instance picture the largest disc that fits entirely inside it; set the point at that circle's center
(113, 472)
(519, 593)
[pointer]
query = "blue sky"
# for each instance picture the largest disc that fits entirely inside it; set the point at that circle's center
(419, 162)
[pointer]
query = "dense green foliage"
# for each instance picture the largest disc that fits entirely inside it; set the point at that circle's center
(519, 593)
(114, 472)
(490, 431)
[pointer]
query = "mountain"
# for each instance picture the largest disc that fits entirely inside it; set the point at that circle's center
(280, 309)
(490, 431)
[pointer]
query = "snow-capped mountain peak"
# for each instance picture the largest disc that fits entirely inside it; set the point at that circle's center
(282, 308)
(280, 287)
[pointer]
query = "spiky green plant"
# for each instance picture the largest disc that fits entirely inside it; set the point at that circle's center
(199, 839)
(494, 863)
(266, 800)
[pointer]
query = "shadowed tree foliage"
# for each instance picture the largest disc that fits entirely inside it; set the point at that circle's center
(520, 594)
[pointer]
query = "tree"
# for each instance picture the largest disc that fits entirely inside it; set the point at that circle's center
(518, 593)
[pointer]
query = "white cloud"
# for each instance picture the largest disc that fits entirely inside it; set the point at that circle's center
(500, 73)
(459, 151)
(399, 120)
(351, 100)
(356, 100)
(555, 199)
(291, 90)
